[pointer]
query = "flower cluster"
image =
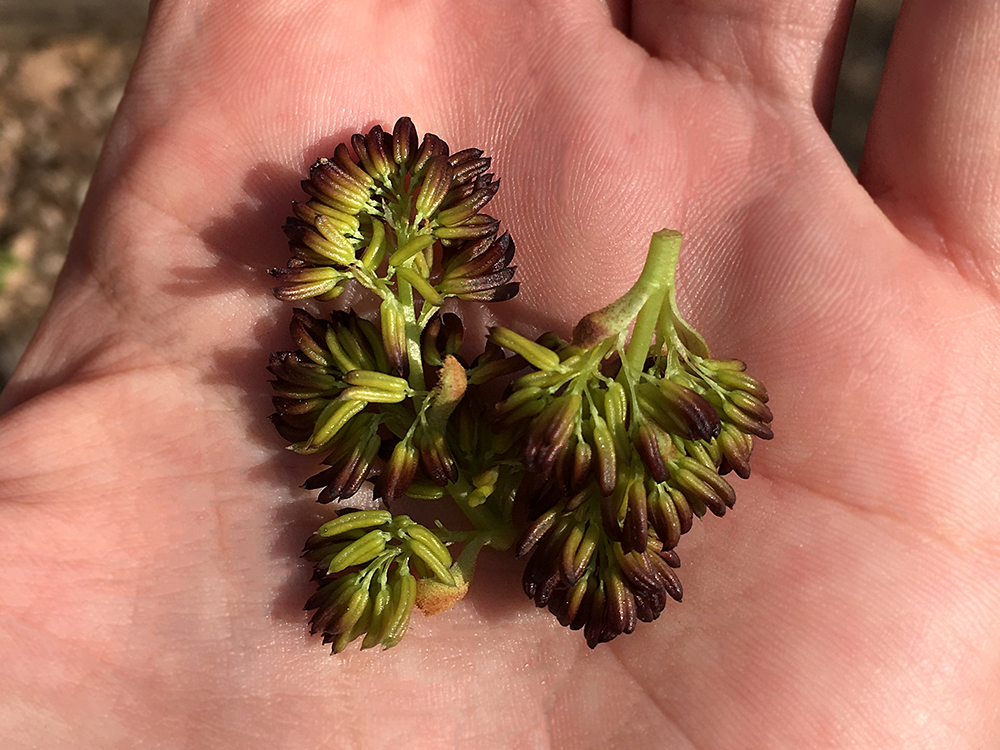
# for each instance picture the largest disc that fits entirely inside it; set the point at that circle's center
(592, 464)
(398, 219)
(624, 446)
(402, 220)
(363, 562)
(379, 216)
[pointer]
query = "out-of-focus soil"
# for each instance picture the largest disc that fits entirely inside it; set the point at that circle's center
(56, 101)
(63, 66)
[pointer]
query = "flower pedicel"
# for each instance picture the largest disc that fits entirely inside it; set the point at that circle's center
(600, 453)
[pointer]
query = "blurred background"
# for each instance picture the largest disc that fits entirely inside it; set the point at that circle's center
(63, 65)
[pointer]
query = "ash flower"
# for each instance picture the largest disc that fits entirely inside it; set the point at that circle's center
(339, 369)
(442, 337)
(352, 460)
(368, 566)
(601, 454)
(402, 218)
(329, 396)
(301, 281)
(590, 582)
(481, 271)
(624, 444)
(380, 216)
(338, 394)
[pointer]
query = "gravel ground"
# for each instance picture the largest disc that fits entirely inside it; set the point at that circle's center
(56, 101)
(63, 65)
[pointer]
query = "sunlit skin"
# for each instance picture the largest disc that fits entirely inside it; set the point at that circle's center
(149, 525)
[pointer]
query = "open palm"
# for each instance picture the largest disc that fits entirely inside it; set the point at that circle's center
(149, 525)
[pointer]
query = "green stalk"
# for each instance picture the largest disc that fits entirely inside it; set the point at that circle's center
(497, 532)
(673, 327)
(656, 278)
(400, 224)
(416, 378)
(644, 330)
(466, 562)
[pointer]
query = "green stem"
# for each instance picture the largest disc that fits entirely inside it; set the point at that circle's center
(413, 354)
(644, 330)
(656, 277)
(466, 562)
(497, 532)
(677, 331)
(404, 234)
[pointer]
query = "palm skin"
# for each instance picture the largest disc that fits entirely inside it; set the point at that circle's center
(150, 526)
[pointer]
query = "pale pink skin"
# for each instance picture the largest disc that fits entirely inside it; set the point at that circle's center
(150, 522)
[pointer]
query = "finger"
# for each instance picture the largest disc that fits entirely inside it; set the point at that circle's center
(930, 158)
(619, 12)
(784, 47)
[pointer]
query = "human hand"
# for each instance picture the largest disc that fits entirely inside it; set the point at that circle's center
(149, 535)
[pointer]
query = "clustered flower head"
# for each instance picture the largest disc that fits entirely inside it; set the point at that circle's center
(625, 441)
(380, 214)
(589, 456)
(365, 565)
